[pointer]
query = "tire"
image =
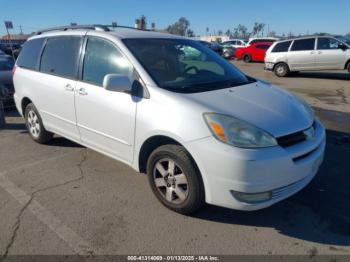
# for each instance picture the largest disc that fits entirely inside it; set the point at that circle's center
(247, 58)
(175, 179)
(281, 70)
(348, 67)
(35, 125)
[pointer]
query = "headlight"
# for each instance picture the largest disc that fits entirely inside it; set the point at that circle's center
(238, 133)
(308, 110)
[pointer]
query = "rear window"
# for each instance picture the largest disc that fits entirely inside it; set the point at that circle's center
(262, 40)
(60, 56)
(281, 47)
(265, 47)
(303, 45)
(29, 55)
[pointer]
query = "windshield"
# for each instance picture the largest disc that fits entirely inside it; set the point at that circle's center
(344, 39)
(186, 66)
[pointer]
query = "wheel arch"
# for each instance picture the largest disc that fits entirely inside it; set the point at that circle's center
(347, 64)
(25, 101)
(149, 145)
(280, 62)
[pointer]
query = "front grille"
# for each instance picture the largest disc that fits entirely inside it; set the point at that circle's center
(291, 139)
(294, 138)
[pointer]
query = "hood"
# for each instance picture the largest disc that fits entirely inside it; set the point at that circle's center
(262, 105)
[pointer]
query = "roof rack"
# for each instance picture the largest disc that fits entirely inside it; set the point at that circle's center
(105, 28)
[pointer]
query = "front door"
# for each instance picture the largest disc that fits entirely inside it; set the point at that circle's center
(329, 54)
(106, 119)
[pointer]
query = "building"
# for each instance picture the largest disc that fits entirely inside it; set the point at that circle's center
(213, 38)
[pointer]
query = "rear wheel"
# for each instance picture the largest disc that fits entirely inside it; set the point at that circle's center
(247, 58)
(35, 125)
(281, 70)
(175, 179)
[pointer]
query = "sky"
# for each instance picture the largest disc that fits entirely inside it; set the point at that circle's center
(281, 16)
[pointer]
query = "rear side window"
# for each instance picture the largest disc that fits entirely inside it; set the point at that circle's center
(303, 44)
(60, 56)
(281, 47)
(264, 47)
(29, 55)
(103, 58)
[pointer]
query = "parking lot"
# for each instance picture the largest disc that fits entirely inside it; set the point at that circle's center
(65, 199)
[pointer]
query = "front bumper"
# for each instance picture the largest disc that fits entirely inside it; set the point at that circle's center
(269, 66)
(280, 171)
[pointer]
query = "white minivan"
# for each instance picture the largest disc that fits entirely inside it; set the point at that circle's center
(203, 131)
(309, 54)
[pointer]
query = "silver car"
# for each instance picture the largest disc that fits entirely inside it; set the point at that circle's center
(168, 106)
(309, 53)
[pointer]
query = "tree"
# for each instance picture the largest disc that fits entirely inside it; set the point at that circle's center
(180, 27)
(235, 32)
(141, 22)
(261, 27)
(242, 30)
(256, 28)
(229, 33)
(190, 33)
(220, 33)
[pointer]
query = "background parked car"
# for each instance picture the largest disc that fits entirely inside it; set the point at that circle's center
(254, 52)
(235, 43)
(309, 53)
(6, 48)
(228, 51)
(254, 40)
(213, 46)
(6, 83)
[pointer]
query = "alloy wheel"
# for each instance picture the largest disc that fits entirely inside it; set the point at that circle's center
(33, 124)
(170, 181)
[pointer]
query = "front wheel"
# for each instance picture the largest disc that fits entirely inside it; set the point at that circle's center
(35, 125)
(281, 70)
(175, 179)
(349, 67)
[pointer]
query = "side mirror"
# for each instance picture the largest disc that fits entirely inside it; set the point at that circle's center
(343, 47)
(117, 83)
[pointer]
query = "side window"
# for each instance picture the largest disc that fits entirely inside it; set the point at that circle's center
(60, 56)
(281, 47)
(326, 43)
(264, 47)
(303, 44)
(29, 55)
(103, 58)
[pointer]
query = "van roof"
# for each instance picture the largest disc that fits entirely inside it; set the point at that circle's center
(121, 32)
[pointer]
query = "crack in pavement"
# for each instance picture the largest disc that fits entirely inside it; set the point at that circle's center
(341, 93)
(17, 224)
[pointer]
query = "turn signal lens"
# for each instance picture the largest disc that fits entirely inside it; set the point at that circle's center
(218, 131)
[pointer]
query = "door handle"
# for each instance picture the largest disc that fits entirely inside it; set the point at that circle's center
(68, 87)
(319, 52)
(312, 52)
(82, 92)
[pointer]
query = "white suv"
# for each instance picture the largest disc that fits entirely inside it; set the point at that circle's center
(309, 53)
(170, 107)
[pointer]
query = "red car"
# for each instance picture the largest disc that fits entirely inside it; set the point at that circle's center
(253, 52)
